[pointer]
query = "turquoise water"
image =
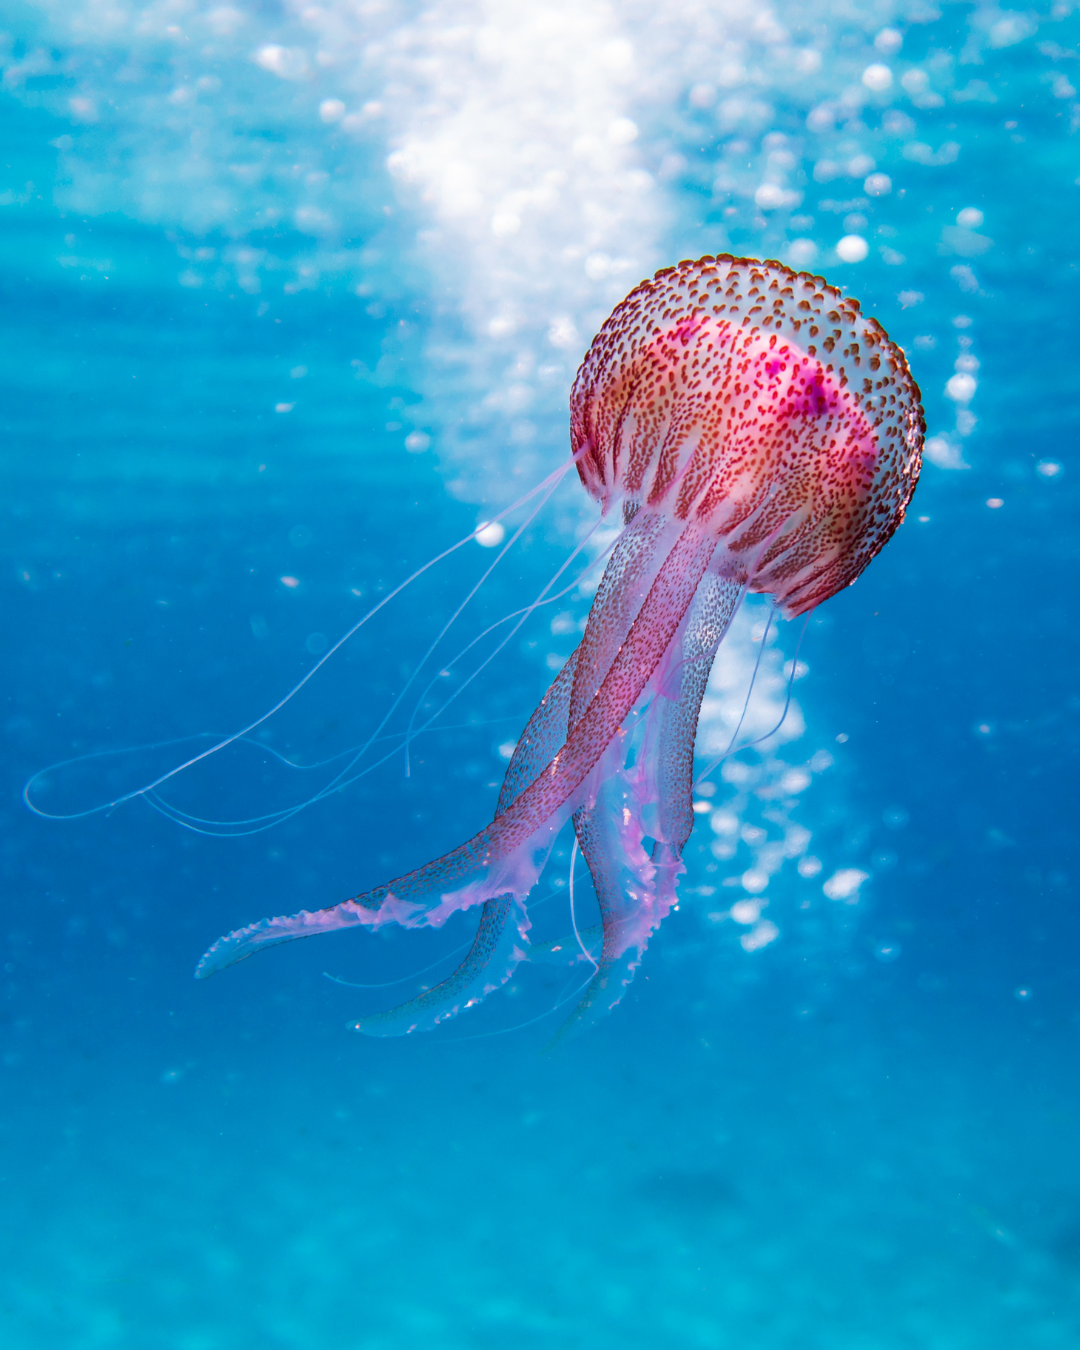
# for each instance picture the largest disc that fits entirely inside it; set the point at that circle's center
(847, 1122)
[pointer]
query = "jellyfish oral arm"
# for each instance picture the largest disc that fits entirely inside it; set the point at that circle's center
(642, 789)
(506, 857)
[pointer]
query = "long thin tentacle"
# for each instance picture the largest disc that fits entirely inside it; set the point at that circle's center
(547, 486)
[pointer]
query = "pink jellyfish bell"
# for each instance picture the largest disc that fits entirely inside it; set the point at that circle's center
(760, 434)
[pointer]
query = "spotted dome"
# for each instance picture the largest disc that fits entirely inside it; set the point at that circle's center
(762, 405)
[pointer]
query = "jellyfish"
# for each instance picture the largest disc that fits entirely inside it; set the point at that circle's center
(758, 433)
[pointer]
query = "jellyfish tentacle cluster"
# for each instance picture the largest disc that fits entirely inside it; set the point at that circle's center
(641, 789)
(759, 433)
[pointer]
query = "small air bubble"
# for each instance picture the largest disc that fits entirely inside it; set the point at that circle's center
(877, 78)
(490, 535)
(802, 252)
(622, 131)
(889, 41)
(852, 248)
(961, 387)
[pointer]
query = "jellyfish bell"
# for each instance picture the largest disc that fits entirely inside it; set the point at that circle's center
(760, 405)
(759, 434)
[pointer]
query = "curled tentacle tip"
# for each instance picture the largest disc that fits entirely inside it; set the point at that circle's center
(237, 946)
(217, 957)
(206, 966)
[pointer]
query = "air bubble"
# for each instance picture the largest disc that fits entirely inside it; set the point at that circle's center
(802, 252)
(845, 884)
(877, 78)
(853, 248)
(961, 388)
(490, 535)
(622, 131)
(760, 936)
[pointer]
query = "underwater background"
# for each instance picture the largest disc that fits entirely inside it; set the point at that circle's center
(291, 298)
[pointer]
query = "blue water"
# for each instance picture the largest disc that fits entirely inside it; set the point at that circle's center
(859, 1136)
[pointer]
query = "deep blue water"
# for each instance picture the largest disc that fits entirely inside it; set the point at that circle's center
(861, 1136)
